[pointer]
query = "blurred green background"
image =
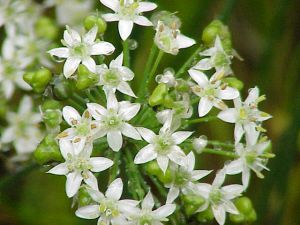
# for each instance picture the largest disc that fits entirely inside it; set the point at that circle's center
(266, 34)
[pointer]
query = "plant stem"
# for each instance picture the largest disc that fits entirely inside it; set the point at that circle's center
(90, 96)
(201, 120)
(221, 144)
(155, 66)
(114, 171)
(220, 152)
(78, 98)
(126, 53)
(228, 7)
(74, 104)
(142, 87)
(189, 62)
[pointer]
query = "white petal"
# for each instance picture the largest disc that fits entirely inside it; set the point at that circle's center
(71, 115)
(204, 64)
(199, 77)
(79, 144)
(228, 93)
(25, 105)
(238, 132)
(112, 4)
(125, 28)
(189, 161)
(118, 62)
(115, 189)
(205, 105)
(234, 167)
(143, 21)
(71, 36)
(88, 212)
(91, 181)
(110, 17)
(233, 190)
(60, 169)
(163, 162)
(204, 189)
(60, 52)
(115, 140)
(90, 36)
(96, 195)
(253, 95)
(146, 7)
(251, 133)
(73, 183)
(164, 211)
(228, 115)
(70, 66)
(172, 194)
(148, 201)
(130, 131)
(184, 41)
(198, 174)
(66, 148)
(230, 207)
(220, 214)
(112, 102)
(96, 110)
(181, 136)
(177, 155)
(146, 134)
(102, 48)
(100, 163)
(146, 154)
(129, 111)
(246, 178)
(90, 64)
(8, 88)
(126, 89)
(219, 179)
(8, 135)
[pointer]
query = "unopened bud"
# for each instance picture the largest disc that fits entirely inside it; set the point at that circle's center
(92, 21)
(200, 143)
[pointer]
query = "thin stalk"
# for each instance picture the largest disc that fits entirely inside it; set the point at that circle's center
(90, 96)
(221, 144)
(228, 8)
(189, 62)
(78, 98)
(155, 66)
(74, 104)
(142, 87)
(201, 120)
(126, 53)
(220, 152)
(159, 187)
(114, 171)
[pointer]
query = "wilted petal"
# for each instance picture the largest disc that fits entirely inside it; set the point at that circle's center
(100, 163)
(125, 28)
(205, 105)
(73, 183)
(115, 189)
(88, 212)
(146, 154)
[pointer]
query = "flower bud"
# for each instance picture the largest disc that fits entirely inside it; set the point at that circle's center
(46, 28)
(205, 216)
(38, 80)
(165, 178)
(234, 82)
(246, 210)
(92, 21)
(51, 104)
(152, 168)
(85, 78)
(62, 88)
(48, 151)
(192, 203)
(52, 118)
(200, 143)
(158, 95)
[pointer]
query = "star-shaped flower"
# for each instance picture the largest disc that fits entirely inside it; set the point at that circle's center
(146, 215)
(184, 177)
(212, 91)
(128, 12)
(113, 121)
(246, 116)
(115, 77)
(79, 166)
(83, 129)
(162, 147)
(80, 49)
(109, 208)
(219, 198)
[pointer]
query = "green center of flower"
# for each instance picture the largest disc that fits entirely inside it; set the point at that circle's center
(146, 220)
(128, 10)
(220, 59)
(80, 50)
(109, 209)
(78, 163)
(83, 129)
(243, 114)
(9, 69)
(216, 196)
(251, 157)
(111, 77)
(113, 120)
(181, 178)
(163, 143)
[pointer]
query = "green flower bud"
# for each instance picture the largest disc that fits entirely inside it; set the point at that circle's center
(85, 78)
(51, 104)
(46, 28)
(244, 205)
(48, 151)
(158, 95)
(192, 203)
(234, 82)
(246, 210)
(52, 118)
(214, 29)
(165, 178)
(205, 216)
(168, 101)
(152, 168)
(38, 80)
(84, 198)
(92, 21)
(252, 217)
(62, 88)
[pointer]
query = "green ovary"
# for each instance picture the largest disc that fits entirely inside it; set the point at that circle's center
(111, 77)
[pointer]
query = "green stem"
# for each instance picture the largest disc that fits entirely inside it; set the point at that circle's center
(221, 144)
(90, 96)
(78, 98)
(114, 171)
(189, 62)
(126, 53)
(142, 87)
(220, 152)
(158, 185)
(201, 120)
(155, 66)
(228, 7)
(74, 104)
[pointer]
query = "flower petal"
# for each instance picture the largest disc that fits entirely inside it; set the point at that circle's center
(91, 181)
(96, 110)
(129, 111)
(177, 155)
(219, 213)
(204, 64)
(125, 28)
(228, 115)
(172, 194)
(90, 64)
(228, 93)
(198, 174)
(73, 183)
(90, 36)
(8, 135)
(66, 148)
(102, 48)
(143, 21)
(184, 41)
(205, 105)
(60, 52)
(163, 162)
(234, 167)
(233, 190)
(164, 211)
(115, 189)
(110, 17)
(146, 7)
(71, 115)
(199, 77)
(146, 154)
(252, 96)
(100, 163)
(112, 4)
(60, 169)
(126, 89)
(148, 202)
(146, 134)
(181, 136)
(70, 66)
(130, 131)
(238, 132)
(115, 140)
(88, 212)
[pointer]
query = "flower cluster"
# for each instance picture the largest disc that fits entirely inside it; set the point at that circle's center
(142, 138)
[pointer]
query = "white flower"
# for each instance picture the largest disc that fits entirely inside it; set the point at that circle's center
(171, 40)
(146, 215)
(23, 129)
(128, 12)
(78, 166)
(109, 208)
(250, 158)
(11, 70)
(113, 121)
(162, 147)
(217, 58)
(83, 129)
(211, 91)
(116, 76)
(219, 198)
(246, 116)
(167, 78)
(200, 143)
(184, 177)
(80, 49)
